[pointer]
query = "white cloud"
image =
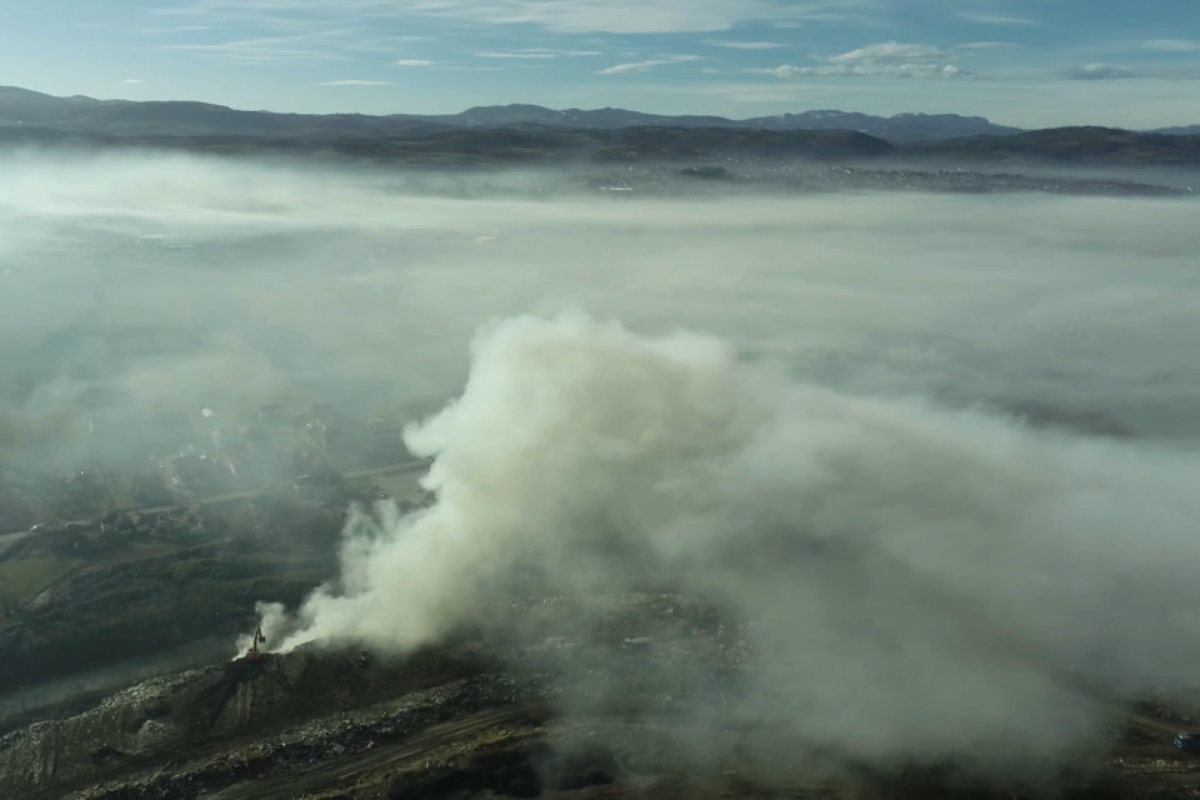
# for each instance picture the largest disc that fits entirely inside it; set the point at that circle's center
(354, 83)
(887, 51)
(516, 55)
(559, 52)
(132, 81)
(537, 53)
(865, 71)
(463, 68)
(744, 45)
(986, 45)
(1170, 45)
(413, 62)
(644, 66)
(306, 47)
(782, 71)
(1108, 72)
(995, 19)
(608, 16)
(886, 59)
(171, 29)
(566, 53)
(1095, 72)
(629, 69)
(563, 16)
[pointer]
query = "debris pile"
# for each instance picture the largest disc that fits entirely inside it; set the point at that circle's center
(627, 696)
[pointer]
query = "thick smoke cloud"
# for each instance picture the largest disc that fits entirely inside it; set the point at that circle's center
(834, 452)
(917, 574)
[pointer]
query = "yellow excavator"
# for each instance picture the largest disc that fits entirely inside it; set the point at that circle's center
(254, 653)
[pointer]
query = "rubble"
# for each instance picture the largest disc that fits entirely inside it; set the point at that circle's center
(552, 696)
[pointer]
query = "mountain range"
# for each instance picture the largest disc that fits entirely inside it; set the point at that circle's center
(159, 118)
(1181, 130)
(527, 134)
(898, 128)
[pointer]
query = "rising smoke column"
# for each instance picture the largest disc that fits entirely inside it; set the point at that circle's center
(917, 573)
(559, 421)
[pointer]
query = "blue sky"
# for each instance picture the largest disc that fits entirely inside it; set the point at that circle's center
(1022, 62)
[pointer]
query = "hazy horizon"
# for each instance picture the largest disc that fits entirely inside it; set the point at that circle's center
(735, 113)
(1019, 62)
(948, 263)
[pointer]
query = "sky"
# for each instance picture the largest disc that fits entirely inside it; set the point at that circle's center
(1031, 63)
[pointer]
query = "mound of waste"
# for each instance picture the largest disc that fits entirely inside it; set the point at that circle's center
(641, 696)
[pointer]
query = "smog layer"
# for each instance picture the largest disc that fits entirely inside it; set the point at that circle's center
(908, 479)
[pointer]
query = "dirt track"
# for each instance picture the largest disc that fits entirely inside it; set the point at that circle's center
(510, 724)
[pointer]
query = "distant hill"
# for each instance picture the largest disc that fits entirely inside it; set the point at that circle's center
(1185, 130)
(1079, 146)
(157, 118)
(519, 114)
(526, 134)
(20, 107)
(899, 128)
(440, 145)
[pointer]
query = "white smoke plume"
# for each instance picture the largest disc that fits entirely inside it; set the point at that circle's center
(917, 574)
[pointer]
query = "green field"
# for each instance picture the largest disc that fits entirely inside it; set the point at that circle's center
(23, 579)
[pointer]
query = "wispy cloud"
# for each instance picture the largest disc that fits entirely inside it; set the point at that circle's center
(308, 47)
(886, 59)
(645, 66)
(567, 53)
(1169, 45)
(162, 30)
(996, 19)
(516, 55)
(563, 16)
(537, 53)
(1098, 72)
(132, 81)
(888, 51)
(1109, 72)
(354, 83)
(947, 71)
(986, 45)
(744, 45)
(413, 62)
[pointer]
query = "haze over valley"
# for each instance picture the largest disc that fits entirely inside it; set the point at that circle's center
(870, 393)
(459, 401)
